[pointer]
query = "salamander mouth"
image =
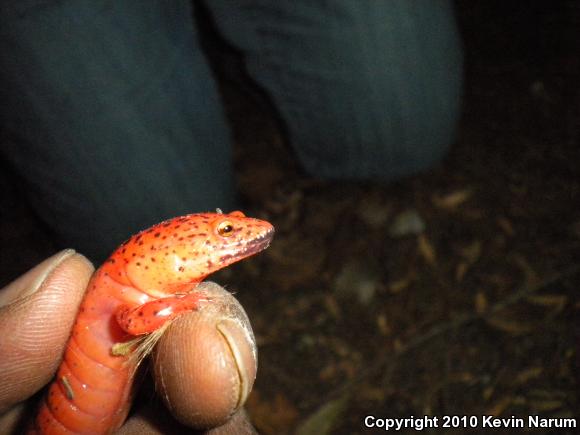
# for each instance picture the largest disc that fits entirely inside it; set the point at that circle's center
(253, 247)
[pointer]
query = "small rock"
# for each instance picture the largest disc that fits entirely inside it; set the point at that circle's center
(357, 280)
(407, 223)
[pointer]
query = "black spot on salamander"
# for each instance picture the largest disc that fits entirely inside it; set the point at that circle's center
(133, 254)
(138, 263)
(155, 312)
(112, 260)
(140, 313)
(140, 243)
(157, 234)
(183, 259)
(167, 224)
(202, 234)
(153, 259)
(180, 239)
(226, 257)
(181, 268)
(146, 267)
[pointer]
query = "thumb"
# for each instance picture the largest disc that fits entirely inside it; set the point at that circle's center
(37, 311)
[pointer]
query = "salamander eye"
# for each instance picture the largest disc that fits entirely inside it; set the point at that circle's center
(225, 229)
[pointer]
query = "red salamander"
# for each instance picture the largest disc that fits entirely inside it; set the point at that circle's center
(148, 280)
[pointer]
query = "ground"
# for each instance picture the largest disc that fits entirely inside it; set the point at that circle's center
(450, 293)
(474, 314)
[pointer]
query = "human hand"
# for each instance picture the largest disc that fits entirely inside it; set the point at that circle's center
(204, 365)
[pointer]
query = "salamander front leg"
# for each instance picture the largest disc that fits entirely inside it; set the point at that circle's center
(152, 315)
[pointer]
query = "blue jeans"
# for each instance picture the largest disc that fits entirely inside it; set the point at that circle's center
(111, 117)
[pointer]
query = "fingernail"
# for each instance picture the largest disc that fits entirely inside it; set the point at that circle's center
(32, 280)
(242, 346)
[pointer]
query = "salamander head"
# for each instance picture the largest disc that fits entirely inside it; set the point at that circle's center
(176, 254)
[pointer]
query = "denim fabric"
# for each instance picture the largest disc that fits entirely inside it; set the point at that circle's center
(368, 89)
(110, 115)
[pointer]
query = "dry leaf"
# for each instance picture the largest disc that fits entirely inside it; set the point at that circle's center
(488, 392)
(500, 406)
(383, 325)
(399, 285)
(460, 271)
(332, 306)
(545, 405)
(554, 301)
(452, 200)
(509, 325)
(398, 345)
(372, 393)
(528, 374)
(506, 226)
(480, 302)
(426, 250)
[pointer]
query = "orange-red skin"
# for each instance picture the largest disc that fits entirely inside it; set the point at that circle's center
(149, 279)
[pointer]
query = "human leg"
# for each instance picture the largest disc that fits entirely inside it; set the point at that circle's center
(110, 116)
(367, 89)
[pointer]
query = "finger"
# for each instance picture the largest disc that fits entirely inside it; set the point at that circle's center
(206, 362)
(38, 310)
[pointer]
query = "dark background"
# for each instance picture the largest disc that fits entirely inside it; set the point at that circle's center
(475, 312)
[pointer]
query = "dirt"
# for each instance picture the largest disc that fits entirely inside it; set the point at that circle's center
(475, 315)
